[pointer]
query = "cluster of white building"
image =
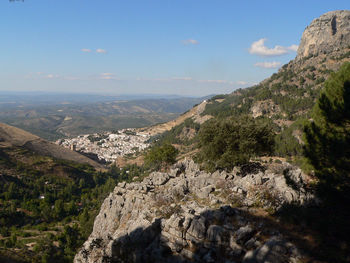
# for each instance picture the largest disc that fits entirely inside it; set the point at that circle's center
(108, 146)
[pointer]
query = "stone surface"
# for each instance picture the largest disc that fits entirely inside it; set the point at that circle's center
(275, 250)
(325, 34)
(243, 234)
(205, 191)
(186, 215)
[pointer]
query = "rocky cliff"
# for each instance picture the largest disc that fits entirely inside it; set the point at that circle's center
(187, 215)
(330, 32)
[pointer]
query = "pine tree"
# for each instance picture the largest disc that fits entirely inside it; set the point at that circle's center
(327, 136)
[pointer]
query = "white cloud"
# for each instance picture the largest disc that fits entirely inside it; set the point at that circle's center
(108, 76)
(86, 50)
(190, 42)
(42, 75)
(51, 76)
(259, 48)
(294, 48)
(273, 64)
(101, 51)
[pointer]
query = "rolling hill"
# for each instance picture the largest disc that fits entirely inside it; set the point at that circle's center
(69, 117)
(13, 137)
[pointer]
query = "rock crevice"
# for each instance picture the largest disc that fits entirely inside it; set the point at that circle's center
(188, 215)
(330, 32)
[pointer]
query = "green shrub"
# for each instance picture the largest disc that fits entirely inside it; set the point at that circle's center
(161, 156)
(230, 142)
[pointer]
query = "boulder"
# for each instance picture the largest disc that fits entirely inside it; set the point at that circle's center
(205, 191)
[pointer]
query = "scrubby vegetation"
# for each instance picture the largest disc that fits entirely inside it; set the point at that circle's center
(286, 98)
(47, 206)
(230, 142)
(318, 140)
(160, 157)
(178, 135)
(288, 141)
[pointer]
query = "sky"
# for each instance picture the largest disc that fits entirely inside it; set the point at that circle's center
(182, 47)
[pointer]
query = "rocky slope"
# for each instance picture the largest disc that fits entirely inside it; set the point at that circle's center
(194, 113)
(330, 32)
(11, 136)
(187, 215)
(292, 91)
(287, 97)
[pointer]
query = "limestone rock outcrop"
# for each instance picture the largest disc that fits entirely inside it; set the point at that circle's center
(188, 215)
(330, 32)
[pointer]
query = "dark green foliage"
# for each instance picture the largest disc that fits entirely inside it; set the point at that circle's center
(129, 172)
(320, 80)
(345, 55)
(327, 137)
(96, 138)
(286, 142)
(227, 107)
(73, 197)
(218, 97)
(161, 156)
(230, 142)
(130, 132)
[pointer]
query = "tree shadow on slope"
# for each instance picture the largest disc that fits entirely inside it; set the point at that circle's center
(327, 152)
(328, 225)
(230, 234)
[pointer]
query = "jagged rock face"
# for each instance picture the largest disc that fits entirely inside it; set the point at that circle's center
(325, 34)
(187, 215)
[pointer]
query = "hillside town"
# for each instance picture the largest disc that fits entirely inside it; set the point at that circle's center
(108, 146)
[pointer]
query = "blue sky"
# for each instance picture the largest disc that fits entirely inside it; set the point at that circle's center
(186, 47)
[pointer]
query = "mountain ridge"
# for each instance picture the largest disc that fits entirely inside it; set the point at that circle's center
(286, 97)
(325, 34)
(11, 136)
(194, 216)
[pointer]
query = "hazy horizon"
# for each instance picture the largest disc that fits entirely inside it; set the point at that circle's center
(189, 48)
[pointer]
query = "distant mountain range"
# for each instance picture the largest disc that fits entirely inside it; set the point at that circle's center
(53, 116)
(13, 137)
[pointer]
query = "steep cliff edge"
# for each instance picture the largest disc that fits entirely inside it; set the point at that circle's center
(187, 215)
(293, 90)
(330, 32)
